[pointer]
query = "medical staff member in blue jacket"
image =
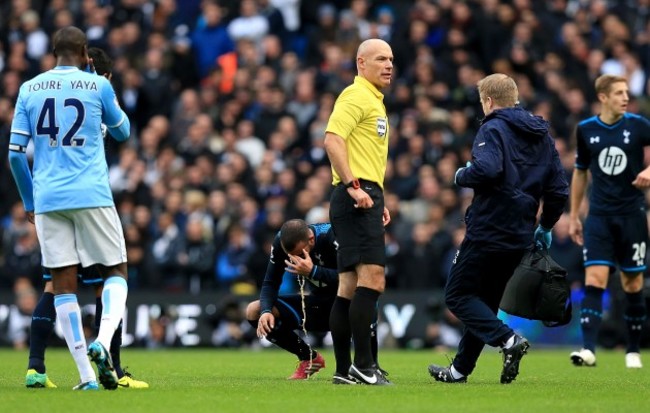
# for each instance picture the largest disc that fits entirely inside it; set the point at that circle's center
(514, 167)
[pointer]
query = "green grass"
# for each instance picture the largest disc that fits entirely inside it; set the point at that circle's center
(252, 382)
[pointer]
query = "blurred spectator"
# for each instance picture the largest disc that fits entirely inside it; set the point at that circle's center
(20, 314)
(566, 253)
(272, 100)
(250, 24)
(323, 33)
(156, 85)
(211, 40)
(444, 331)
(22, 253)
(23, 257)
(130, 95)
(36, 40)
(419, 257)
(166, 249)
(303, 104)
(248, 144)
(141, 270)
(231, 329)
(183, 67)
(231, 261)
(197, 256)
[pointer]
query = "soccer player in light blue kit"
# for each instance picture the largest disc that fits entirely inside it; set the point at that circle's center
(67, 195)
(44, 315)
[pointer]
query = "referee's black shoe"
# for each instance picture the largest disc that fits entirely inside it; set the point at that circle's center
(339, 378)
(511, 358)
(443, 374)
(372, 376)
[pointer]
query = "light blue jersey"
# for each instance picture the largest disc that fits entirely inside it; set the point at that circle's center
(62, 111)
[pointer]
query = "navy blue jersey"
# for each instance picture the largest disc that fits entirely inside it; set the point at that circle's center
(323, 279)
(614, 155)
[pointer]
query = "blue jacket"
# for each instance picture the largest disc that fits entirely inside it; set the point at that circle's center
(514, 166)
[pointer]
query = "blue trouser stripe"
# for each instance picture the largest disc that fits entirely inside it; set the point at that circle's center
(298, 318)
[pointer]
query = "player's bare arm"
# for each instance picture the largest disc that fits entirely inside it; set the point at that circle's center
(578, 188)
(642, 180)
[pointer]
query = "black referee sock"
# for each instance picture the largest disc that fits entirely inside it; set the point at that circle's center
(374, 345)
(116, 345)
(363, 309)
(635, 315)
(341, 334)
(591, 314)
(43, 320)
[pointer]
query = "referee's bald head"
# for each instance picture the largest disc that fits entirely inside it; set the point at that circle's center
(369, 46)
(375, 62)
(70, 42)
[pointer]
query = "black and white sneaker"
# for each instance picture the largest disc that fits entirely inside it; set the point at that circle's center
(443, 374)
(372, 376)
(342, 379)
(511, 358)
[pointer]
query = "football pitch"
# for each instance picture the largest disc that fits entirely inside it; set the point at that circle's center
(245, 381)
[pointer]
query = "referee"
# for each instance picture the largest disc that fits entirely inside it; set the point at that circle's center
(356, 141)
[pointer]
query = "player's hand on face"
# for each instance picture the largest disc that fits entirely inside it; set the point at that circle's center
(265, 324)
(361, 198)
(30, 216)
(299, 265)
(575, 230)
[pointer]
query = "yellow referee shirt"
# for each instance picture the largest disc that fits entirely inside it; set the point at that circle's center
(359, 117)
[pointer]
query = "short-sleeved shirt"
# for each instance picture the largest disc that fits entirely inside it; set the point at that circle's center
(614, 155)
(359, 117)
(62, 111)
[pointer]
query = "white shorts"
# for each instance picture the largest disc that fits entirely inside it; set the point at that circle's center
(84, 236)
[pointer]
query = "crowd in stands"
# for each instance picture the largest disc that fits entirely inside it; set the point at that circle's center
(229, 100)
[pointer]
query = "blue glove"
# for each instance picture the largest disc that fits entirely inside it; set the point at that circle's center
(543, 238)
(467, 165)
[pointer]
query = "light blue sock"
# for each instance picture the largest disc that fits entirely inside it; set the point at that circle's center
(69, 316)
(113, 306)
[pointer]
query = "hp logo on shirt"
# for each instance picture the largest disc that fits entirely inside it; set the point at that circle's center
(612, 160)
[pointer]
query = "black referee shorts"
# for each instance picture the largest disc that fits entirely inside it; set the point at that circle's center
(359, 232)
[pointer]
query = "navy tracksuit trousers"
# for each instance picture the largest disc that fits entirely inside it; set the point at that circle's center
(475, 285)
